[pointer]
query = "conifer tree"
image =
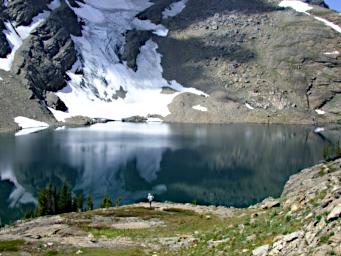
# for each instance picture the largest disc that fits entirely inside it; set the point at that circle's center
(106, 202)
(64, 199)
(89, 203)
(47, 201)
(79, 202)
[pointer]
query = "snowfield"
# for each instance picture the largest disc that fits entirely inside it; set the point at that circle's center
(95, 93)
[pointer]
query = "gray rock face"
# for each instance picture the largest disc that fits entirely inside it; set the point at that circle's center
(256, 53)
(134, 40)
(22, 11)
(154, 13)
(53, 101)
(44, 58)
(4, 45)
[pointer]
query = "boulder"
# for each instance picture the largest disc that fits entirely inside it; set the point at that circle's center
(269, 203)
(53, 101)
(261, 251)
(135, 119)
(335, 213)
(292, 236)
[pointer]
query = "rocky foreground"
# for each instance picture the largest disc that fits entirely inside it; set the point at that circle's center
(305, 220)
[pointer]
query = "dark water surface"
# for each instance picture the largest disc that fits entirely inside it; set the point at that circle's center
(232, 165)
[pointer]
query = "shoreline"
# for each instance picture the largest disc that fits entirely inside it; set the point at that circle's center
(327, 125)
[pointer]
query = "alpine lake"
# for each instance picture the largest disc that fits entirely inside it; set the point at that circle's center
(232, 165)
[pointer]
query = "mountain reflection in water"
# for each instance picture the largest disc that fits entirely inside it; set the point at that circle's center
(233, 165)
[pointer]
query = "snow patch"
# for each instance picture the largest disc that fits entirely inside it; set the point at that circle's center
(200, 108)
(159, 30)
(54, 5)
(329, 24)
(154, 120)
(16, 36)
(249, 106)
(25, 123)
(332, 53)
(296, 5)
(1, 79)
(319, 129)
(174, 9)
(320, 112)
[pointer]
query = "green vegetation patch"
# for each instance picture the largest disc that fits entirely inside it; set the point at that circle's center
(113, 252)
(176, 222)
(10, 245)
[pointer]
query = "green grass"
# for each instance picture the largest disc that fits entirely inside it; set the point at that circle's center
(113, 252)
(265, 227)
(52, 253)
(11, 245)
(177, 221)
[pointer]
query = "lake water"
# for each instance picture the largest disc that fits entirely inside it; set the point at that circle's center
(232, 165)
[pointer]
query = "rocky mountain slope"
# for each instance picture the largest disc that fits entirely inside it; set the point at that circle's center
(181, 61)
(305, 220)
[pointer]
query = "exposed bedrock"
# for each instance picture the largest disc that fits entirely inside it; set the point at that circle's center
(277, 60)
(44, 58)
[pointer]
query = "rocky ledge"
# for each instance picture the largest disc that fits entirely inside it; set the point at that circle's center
(305, 220)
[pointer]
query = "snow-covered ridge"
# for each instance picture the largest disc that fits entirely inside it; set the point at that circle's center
(95, 93)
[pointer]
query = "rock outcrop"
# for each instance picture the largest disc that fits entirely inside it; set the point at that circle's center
(44, 58)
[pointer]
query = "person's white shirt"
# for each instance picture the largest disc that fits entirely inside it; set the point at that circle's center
(150, 197)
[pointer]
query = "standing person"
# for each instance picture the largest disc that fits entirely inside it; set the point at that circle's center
(150, 198)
